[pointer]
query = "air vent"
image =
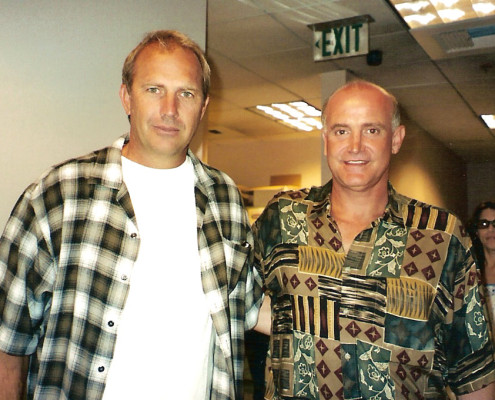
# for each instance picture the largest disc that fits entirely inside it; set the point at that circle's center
(454, 41)
(476, 36)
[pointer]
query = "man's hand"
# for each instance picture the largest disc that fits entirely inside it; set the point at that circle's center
(264, 324)
(487, 393)
(13, 373)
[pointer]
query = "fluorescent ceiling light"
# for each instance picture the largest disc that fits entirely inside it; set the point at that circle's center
(419, 13)
(489, 120)
(295, 114)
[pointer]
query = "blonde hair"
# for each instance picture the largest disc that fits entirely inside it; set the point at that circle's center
(167, 39)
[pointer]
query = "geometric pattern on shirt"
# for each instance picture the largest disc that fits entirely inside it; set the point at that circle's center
(373, 364)
(287, 255)
(316, 316)
(329, 369)
(388, 250)
(410, 298)
(364, 299)
(293, 222)
(305, 368)
(325, 235)
(282, 360)
(425, 255)
(408, 334)
(320, 261)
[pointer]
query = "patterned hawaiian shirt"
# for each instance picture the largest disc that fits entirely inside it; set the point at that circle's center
(66, 260)
(397, 317)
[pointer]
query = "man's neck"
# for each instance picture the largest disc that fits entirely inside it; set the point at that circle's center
(365, 206)
(354, 211)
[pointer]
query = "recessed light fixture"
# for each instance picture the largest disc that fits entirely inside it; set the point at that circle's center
(489, 120)
(295, 114)
(419, 13)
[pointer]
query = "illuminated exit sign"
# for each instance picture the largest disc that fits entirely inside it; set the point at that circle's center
(343, 38)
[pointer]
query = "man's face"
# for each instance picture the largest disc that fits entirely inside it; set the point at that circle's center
(165, 104)
(358, 138)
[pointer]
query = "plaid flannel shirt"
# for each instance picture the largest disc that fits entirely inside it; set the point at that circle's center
(66, 256)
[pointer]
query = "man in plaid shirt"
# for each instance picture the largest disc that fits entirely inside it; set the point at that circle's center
(127, 273)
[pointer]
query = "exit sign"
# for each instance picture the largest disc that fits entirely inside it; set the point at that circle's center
(343, 38)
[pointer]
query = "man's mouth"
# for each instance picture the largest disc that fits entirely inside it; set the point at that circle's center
(356, 162)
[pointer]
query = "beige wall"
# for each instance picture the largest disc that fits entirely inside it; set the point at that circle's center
(428, 171)
(424, 168)
(481, 184)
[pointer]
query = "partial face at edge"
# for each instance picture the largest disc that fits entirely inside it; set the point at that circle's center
(487, 236)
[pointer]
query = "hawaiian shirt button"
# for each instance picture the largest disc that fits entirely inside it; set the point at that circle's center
(101, 369)
(134, 235)
(124, 277)
(347, 356)
(111, 324)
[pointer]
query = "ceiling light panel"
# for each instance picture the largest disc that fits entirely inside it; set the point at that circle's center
(418, 13)
(296, 114)
(489, 120)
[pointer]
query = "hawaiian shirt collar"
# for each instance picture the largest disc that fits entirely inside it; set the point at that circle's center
(393, 210)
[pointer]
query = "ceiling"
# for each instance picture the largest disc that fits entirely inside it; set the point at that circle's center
(261, 51)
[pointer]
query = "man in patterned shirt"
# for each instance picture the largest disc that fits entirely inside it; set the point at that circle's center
(373, 295)
(127, 273)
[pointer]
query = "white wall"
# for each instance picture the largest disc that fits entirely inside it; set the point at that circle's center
(60, 70)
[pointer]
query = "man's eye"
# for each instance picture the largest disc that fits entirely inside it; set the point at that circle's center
(340, 132)
(373, 131)
(153, 90)
(187, 94)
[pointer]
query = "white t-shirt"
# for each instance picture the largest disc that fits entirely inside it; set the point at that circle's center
(164, 335)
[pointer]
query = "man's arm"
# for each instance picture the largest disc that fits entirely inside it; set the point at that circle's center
(13, 374)
(487, 393)
(264, 324)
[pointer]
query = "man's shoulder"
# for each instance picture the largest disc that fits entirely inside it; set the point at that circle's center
(101, 165)
(208, 175)
(420, 215)
(418, 206)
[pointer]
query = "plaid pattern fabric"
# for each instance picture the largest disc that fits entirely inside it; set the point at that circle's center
(397, 317)
(66, 256)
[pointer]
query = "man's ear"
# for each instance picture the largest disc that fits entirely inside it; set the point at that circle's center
(125, 98)
(398, 138)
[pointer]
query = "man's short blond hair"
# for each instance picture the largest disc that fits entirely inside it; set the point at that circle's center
(168, 39)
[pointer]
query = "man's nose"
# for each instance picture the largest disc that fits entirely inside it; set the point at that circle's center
(168, 105)
(355, 142)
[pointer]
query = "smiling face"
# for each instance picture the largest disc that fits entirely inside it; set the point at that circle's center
(165, 104)
(358, 138)
(487, 236)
